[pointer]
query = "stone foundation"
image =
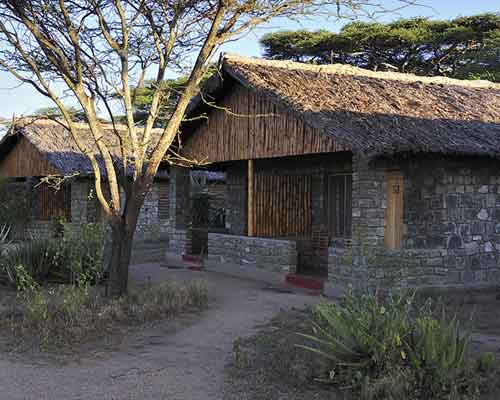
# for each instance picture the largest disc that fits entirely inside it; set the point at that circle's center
(178, 241)
(268, 254)
(414, 268)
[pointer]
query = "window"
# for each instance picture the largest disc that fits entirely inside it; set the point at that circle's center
(51, 204)
(340, 206)
(163, 200)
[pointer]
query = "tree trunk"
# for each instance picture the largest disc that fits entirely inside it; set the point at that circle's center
(122, 235)
(121, 250)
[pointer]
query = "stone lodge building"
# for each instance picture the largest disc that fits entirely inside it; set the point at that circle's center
(356, 177)
(33, 150)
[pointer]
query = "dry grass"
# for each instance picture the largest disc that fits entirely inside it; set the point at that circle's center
(64, 317)
(270, 366)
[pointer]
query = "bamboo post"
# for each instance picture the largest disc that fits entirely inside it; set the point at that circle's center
(250, 213)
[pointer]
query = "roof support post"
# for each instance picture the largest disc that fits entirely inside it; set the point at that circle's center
(250, 197)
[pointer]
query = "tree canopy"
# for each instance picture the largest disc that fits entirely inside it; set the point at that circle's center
(465, 47)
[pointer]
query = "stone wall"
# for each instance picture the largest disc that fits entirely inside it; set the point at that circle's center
(268, 254)
(80, 190)
(452, 225)
(83, 209)
(368, 201)
(180, 211)
(149, 226)
(236, 200)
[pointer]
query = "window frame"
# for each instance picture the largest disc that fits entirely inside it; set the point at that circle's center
(344, 230)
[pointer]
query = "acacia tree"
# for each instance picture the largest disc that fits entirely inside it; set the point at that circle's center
(465, 47)
(99, 51)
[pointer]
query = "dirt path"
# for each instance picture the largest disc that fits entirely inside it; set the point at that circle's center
(187, 363)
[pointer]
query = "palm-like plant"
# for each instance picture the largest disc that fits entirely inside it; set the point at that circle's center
(4, 235)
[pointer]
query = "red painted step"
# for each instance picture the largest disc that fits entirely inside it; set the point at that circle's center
(191, 258)
(194, 263)
(305, 282)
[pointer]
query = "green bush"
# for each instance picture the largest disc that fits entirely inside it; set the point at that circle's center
(77, 257)
(34, 257)
(392, 348)
(81, 252)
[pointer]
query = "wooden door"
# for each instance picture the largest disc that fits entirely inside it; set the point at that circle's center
(394, 211)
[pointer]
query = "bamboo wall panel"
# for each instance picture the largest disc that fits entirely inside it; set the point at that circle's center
(51, 204)
(282, 206)
(24, 160)
(248, 126)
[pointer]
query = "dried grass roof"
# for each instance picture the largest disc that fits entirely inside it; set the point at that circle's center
(379, 113)
(57, 146)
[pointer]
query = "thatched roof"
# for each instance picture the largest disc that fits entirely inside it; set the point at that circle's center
(375, 113)
(55, 143)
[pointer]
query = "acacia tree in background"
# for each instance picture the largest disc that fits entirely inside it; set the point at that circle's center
(99, 50)
(465, 47)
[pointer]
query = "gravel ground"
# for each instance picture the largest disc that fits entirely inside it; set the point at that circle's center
(181, 360)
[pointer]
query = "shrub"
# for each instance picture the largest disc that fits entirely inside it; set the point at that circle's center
(77, 257)
(34, 257)
(81, 252)
(392, 348)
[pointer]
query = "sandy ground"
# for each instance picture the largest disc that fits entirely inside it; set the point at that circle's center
(170, 361)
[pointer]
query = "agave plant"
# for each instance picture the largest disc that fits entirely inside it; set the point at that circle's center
(437, 351)
(390, 348)
(362, 332)
(4, 235)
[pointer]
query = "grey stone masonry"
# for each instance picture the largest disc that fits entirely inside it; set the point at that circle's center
(80, 190)
(368, 202)
(268, 254)
(451, 225)
(149, 225)
(85, 209)
(180, 210)
(236, 195)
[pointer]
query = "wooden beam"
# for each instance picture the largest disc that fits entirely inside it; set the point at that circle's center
(250, 196)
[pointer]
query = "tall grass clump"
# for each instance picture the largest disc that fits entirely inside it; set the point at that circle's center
(392, 348)
(63, 316)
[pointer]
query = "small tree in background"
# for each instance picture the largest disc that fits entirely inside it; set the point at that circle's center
(102, 52)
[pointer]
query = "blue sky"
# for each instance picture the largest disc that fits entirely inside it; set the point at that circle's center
(19, 100)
